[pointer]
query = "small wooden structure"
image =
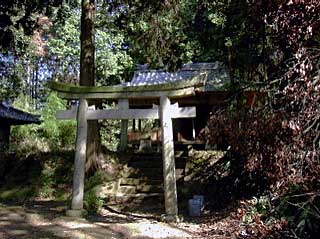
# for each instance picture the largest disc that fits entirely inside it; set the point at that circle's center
(214, 92)
(12, 116)
(155, 93)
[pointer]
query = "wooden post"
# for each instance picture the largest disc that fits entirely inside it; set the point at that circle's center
(133, 125)
(79, 161)
(169, 176)
(4, 137)
(123, 104)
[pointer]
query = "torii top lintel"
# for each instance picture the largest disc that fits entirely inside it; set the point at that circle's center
(176, 89)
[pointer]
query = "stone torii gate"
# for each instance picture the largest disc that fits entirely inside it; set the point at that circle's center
(165, 112)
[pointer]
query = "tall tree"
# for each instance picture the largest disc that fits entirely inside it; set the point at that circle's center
(87, 76)
(87, 61)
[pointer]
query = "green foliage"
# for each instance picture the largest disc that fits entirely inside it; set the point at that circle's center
(60, 134)
(274, 145)
(92, 202)
(11, 73)
(51, 134)
(112, 59)
(155, 31)
(56, 175)
(45, 175)
(110, 134)
(16, 194)
(301, 210)
(21, 15)
(47, 180)
(258, 206)
(64, 45)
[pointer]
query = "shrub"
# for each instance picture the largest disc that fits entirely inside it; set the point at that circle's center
(92, 202)
(273, 155)
(51, 134)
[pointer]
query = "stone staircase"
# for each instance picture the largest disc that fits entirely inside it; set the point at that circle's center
(141, 179)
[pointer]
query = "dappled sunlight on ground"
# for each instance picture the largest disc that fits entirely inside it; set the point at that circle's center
(156, 230)
(41, 221)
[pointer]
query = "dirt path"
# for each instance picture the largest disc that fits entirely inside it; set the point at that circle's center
(46, 220)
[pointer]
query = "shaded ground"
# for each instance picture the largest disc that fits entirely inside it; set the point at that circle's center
(230, 214)
(45, 219)
(41, 219)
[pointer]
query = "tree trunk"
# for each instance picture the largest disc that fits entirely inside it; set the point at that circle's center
(87, 78)
(27, 86)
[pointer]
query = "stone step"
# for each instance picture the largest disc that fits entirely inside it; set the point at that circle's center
(127, 189)
(157, 157)
(183, 146)
(139, 197)
(140, 181)
(178, 156)
(155, 164)
(150, 156)
(141, 172)
(131, 189)
(146, 158)
(150, 189)
(148, 173)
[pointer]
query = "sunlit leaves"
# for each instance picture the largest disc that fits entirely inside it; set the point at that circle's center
(112, 58)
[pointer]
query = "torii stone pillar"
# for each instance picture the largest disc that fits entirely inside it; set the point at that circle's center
(169, 175)
(123, 104)
(79, 161)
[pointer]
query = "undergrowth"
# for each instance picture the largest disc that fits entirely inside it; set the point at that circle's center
(270, 165)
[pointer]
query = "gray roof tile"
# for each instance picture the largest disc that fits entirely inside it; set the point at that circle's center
(218, 75)
(13, 116)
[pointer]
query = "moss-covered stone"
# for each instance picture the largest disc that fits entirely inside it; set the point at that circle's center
(196, 170)
(74, 89)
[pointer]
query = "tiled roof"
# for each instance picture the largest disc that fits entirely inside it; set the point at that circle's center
(218, 76)
(13, 116)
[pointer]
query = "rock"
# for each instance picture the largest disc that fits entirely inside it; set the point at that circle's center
(76, 213)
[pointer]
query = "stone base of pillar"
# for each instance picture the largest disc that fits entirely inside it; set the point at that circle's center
(80, 213)
(170, 218)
